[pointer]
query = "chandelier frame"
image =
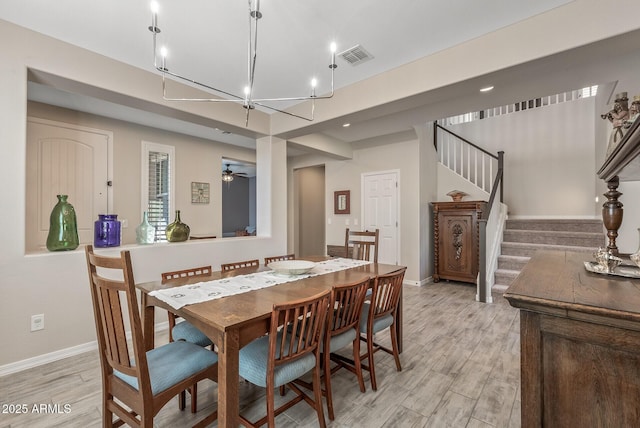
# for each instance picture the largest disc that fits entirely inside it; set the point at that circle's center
(248, 102)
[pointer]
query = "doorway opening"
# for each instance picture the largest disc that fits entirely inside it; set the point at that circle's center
(309, 211)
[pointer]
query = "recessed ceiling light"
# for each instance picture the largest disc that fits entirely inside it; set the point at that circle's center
(486, 89)
(346, 125)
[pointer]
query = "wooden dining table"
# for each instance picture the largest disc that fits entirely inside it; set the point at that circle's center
(232, 322)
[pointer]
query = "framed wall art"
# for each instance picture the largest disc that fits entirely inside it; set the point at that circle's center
(341, 202)
(199, 193)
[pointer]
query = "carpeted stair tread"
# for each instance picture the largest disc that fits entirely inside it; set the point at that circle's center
(506, 261)
(522, 238)
(585, 225)
(586, 239)
(499, 288)
(524, 249)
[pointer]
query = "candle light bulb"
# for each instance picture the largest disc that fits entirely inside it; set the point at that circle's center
(333, 47)
(246, 91)
(163, 54)
(314, 82)
(154, 7)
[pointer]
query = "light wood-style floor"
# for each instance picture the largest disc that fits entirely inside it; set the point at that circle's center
(460, 368)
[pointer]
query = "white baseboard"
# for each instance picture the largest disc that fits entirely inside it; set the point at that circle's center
(419, 283)
(30, 363)
(489, 298)
(50, 357)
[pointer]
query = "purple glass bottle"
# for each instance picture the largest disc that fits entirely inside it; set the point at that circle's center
(106, 231)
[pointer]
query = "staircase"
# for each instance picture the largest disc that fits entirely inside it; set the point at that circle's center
(522, 238)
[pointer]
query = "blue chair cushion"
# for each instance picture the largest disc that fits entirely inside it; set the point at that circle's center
(341, 340)
(189, 333)
(378, 325)
(172, 363)
(253, 364)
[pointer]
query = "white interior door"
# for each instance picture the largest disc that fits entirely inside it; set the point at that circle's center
(380, 192)
(68, 160)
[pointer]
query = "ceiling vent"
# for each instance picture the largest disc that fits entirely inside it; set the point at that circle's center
(356, 55)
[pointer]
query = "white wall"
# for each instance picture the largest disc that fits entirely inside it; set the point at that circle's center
(549, 154)
(628, 240)
(449, 180)
(56, 284)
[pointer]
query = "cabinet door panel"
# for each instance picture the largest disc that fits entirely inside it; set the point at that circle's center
(456, 240)
(457, 244)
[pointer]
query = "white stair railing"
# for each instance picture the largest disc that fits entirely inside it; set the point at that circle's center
(477, 166)
(469, 161)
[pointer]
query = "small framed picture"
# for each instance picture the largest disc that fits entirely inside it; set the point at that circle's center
(199, 193)
(341, 202)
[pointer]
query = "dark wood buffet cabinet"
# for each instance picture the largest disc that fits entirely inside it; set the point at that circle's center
(580, 344)
(455, 230)
(580, 331)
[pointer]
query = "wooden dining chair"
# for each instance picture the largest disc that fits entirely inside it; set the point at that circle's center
(290, 350)
(268, 260)
(186, 331)
(226, 267)
(136, 384)
(343, 328)
(363, 245)
(379, 312)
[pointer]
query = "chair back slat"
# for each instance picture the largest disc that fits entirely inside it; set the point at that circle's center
(268, 260)
(346, 306)
(114, 329)
(239, 265)
(364, 245)
(386, 293)
(186, 273)
(300, 325)
(110, 299)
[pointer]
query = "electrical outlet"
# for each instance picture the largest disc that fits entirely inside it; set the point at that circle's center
(124, 223)
(346, 222)
(37, 322)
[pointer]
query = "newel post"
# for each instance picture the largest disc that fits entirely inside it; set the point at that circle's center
(501, 168)
(482, 259)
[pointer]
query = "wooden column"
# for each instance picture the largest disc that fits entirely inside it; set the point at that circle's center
(612, 213)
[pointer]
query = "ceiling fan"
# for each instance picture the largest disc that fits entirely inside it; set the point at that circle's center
(228, 175)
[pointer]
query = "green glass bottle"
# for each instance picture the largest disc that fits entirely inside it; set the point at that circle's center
(177, 231)
(63, 227)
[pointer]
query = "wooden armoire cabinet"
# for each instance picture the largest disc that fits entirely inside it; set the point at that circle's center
(456, 236)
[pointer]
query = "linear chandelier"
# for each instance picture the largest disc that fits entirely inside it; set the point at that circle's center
(247, 101)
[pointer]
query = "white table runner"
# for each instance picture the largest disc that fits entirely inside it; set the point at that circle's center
(178, 297)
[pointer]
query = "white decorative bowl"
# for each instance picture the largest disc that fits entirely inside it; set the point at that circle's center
(292, 267)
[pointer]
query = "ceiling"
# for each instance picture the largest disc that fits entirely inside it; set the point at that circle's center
(207, 42)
